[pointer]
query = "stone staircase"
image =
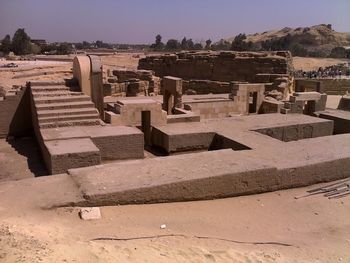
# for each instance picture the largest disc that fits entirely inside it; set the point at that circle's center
(70, 133)
(58, 106)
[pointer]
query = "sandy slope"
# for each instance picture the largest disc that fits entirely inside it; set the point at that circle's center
(313, 229)
(307, 64)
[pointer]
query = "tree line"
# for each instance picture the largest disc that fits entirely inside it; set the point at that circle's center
(174, 44)
(21, 44)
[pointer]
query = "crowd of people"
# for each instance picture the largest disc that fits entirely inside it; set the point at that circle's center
(328, 72)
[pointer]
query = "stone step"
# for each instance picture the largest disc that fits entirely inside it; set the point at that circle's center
(60, 118)
(49, 88)
(65, 105)
(56, 94)
(51, 113)
(82, 122)
(61, 99)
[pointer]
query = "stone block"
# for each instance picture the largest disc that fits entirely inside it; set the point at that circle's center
(307, 95)
(90, 213)
(70, 153)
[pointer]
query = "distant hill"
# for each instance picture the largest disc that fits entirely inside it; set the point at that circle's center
(316, 38)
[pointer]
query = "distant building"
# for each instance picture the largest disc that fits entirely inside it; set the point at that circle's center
(39, 42)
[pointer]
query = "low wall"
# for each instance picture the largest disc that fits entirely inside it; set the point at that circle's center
(328, 86)
(15, 114)
(212, 109)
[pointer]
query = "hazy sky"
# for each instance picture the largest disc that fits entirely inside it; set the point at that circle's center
(138, 21)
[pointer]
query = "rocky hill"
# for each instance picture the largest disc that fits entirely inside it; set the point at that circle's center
(316, 38)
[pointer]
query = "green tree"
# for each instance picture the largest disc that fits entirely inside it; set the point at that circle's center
(298, 50)
(99, 43)
(221, 45)
(338, 52)
(172, 44)
(21, 42)
(6, 44)
(158, 45)
(64, 49)
(240, 44)
(158, 40)
(190, 44)
(197, 46)
(184, 44)
(208, 44)
(86, 45)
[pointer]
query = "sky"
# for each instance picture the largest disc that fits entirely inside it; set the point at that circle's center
(139, 21)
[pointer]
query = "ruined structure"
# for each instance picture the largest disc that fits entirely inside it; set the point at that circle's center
(231, 149)
(220, 66)
(131, 83)
(211, 72)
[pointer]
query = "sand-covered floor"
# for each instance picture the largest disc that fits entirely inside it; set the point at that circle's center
(271, 227)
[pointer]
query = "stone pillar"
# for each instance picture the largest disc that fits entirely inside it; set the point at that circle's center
(88, 71)
(172, 87)
(97, 84)
(82, 72)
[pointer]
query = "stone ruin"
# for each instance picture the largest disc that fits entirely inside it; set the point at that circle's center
(212, 72)
(130, 83)
(231, 148)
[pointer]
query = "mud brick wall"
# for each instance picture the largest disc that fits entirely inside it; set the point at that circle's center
(218, 66)
(205, 87)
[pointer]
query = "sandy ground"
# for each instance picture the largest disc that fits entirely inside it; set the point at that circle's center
(34, 71)
(272, 227)
(56, 70)
(20, 159)
(307, 64)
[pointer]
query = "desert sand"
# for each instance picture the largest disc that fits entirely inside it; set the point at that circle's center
(272, 227)
(308, 64)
